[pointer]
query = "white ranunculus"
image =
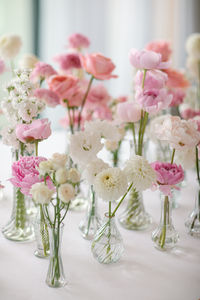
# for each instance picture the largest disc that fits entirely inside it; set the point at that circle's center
(193, 45)
(41, 193)
(94, 168)
(61, 175)
(66, 192)
(73, 175)
(45, 167)
(28, 61)
(58, 160)
(10, 46)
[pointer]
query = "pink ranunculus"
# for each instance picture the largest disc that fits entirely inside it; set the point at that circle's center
(98, 65)
(25, 173)
(42, 71)
(162, 47)
(147, 60)
(68, 61)
(189, 113)
(128, 112)
(49, 97)
(38, 130)
(153, 100)
(98, 95)
(154, 79)
(176, 79)
(178, 96)
(78, 41)
(60, 84)
(168, 175)
(102, 112)
(2, 66)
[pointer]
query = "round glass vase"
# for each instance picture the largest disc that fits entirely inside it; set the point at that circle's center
(193, 221)
(107, 245)
(55, 275)
(165, 237)
(41, 234)
(134, 217)
(91, 222)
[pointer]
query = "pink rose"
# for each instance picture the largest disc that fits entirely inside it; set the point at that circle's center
(98, 95)
(178, 96)
(154, 79)
(147, 60)
(98, 65)
(49, 97)
(38, 130)
(2, 66)
(60, 84)
(153, 100)
(78, 41)
(129, 112)
(168, 175)
(68, 61)
(42, 71)
(190, 113)
(176, 79)
(162, 47)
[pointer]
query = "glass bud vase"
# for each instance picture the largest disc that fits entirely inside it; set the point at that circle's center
(107, 245)
(41, 234)
(20, 227)
(134, 217)
(91, 223)
(193, 221)
(55, 276)
(165, 236)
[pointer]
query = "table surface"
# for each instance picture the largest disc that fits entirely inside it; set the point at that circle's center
(142, 273)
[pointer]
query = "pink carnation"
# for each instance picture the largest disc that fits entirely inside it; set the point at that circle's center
(178, 96)
(128, 112)
(38, 130)
(49, 97)
(78, 41)
(168, 175)
(2, 66)
(176, 79)
(42, 71)
(154, 79)
(190, 113)
(98, 95)
(162, 47)
(147, 60)
(68, 61)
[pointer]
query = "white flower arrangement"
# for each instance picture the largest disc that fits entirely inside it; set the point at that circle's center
(92, 169)
(105, 129)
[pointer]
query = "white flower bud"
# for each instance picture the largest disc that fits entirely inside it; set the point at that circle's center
(28, 61)
(45, 167)
(59, 160)
(73, 175)
(41, 193)
(10, 46)
(66, 192)
(61, 175)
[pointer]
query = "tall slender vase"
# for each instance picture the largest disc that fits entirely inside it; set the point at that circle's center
(193, 221)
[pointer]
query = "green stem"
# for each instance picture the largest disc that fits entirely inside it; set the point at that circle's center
(197, 165)
(71, 124)
(44, 232)
(36, 148)
(120, 202)
(145, 119)
(134, 137)
(173, 153)
(144, 76)
(92, 211)
(166, 213)
(20, 218)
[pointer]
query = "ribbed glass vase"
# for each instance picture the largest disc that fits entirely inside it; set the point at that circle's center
(193, 221)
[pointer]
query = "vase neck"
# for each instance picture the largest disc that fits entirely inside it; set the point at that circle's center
(166, 210)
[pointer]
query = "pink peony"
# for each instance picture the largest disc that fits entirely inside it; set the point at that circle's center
(78, 41)
(2, 66)
(49, 97)
(178, 96)
(162, 47)
(25, 173)
(154, 79)
(147, 60)
(168, 175)
(190, 113)
(98, 65)
(68, 61)
(98, 95)
(38, 130)
(42, 71)
(153, 100)
(176, 79)
(129, 112)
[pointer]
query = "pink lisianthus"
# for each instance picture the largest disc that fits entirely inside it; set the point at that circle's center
(154, 79)
(98, 95)
(147, 60)
(25, 173)
(98, 65)
(153, 100)
(128, 112)
(176, 79)
(42, 71)
(78, 41)
(162, 47)
(189, 113)
(68, 61)
(168, 175)
(178, 96)
(49, 97)
(2, 66)
(38, 130)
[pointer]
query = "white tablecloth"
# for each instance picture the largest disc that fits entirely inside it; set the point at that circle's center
(142, 273)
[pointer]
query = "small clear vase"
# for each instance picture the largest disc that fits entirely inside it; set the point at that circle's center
(107, 245)
(91, 222)
(20, 227)
(165, 236)
(80, 203)
(193, 221)
(134, 217)
(41, 234)
(55, 275)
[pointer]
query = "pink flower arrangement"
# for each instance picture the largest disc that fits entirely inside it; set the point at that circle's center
(49, 97)
(162, 47)
(178, 96)
(2, 66)
(42, 71)
(128, 112)
(168, 175)
(98, 65)
(38, 130)
(78, 41)
(145, 59)
(68, 61)
(154, 79)
(189, 113)
(176, 79)
(98, 95)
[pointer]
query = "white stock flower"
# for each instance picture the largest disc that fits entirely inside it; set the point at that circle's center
(193, 45)
(94, 168)
(61, 176)
(66, 192)
(73, 175)
(110, 184)
(9, 137)
(140, 172)
(41, 193)
(84, 146)
(111, 145)
(45, 167)
(28, 61)
(58, 160)
(186, 158)
(10, 46)
(105, 128)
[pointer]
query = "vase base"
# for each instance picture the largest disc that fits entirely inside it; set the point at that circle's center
(57, 284)
(135, 221)
(193, 224)
(79, 204)
(167, 241)
(11, 232)
(40, 254)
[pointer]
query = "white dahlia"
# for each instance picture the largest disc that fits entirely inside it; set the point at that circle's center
(93, 169)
